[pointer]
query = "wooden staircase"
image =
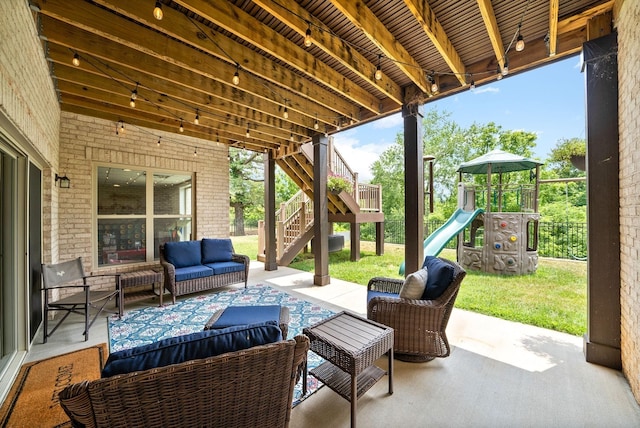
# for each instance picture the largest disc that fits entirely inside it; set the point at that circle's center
(294, 228)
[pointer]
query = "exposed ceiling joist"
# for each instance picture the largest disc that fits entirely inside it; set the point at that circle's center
(553, 26)
(489, 18)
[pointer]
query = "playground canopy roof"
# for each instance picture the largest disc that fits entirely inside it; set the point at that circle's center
(500, 161)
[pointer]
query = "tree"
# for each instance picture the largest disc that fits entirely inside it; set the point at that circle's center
(246, 189)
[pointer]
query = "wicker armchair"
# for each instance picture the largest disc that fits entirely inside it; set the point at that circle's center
(247, 388)
(419, 325)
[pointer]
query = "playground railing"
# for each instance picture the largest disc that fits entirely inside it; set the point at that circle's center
(563, 240)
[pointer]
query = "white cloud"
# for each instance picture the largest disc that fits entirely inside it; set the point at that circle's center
(358, 156)
(484, 89)
(388, 122)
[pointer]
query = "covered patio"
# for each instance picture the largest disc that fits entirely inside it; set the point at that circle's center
(91, 86)
(499, 374)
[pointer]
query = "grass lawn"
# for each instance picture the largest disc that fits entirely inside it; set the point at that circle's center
(555, 297)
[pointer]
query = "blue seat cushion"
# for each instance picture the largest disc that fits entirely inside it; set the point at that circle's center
(183, 253)
(216, 250)
(203, 344)
(193, 272)
(371, 294)
(439, 278)
(242, 315)
(225, 267)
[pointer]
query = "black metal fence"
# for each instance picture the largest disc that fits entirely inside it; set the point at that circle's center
(560, 240)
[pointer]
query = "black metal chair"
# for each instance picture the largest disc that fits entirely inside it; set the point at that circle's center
(77, 297)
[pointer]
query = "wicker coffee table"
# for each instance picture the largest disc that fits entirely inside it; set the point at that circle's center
(350, 344)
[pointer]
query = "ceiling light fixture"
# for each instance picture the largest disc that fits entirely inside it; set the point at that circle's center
(181, 126)
(472, 86)
(285, 113)
(195, 152)
(159, 138)
(434, 84)
(196, 120)
(378, 74)
(236, 75)
(157, 11)
(316, 125)
(248, 133)
(505, 69)
(134, 97)
(76, 59)
(308, 40)
(499, 73)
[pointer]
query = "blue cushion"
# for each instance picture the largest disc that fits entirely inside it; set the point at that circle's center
(372, 293)
(440, 276)
(225, 267)
(203, 344)
(193, 272)
(183, 253)
(241, 315)
(216, 250)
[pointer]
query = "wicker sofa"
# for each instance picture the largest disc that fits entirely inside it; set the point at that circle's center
(193, 266)
(244, 388)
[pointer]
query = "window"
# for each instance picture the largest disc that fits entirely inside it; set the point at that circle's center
(125, 221)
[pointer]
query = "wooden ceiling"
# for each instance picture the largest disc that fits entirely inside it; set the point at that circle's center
(183, 65)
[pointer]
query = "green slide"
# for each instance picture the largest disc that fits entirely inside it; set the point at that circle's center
(445, 233)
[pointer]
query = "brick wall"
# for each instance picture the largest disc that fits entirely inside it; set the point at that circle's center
(86, 141)
(627, 19)
(29, 104)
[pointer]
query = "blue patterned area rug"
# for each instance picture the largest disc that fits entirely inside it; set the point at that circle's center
(148, 325)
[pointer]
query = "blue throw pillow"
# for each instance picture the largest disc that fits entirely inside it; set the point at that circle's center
(216, 250)
(183, 253)
(439, 278)
(203, 344)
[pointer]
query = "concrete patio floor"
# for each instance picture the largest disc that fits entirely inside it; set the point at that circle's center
(499, 374)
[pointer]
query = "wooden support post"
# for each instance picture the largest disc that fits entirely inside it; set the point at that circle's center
(269, 213)
(320, 211)
(355, 241)
(414, 189)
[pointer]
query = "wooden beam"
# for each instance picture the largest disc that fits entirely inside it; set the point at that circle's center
(363, 19)
(489, 18)
(297, 18)
(106, 26)
(432, 28)
(244, 26)
(553, 26)
(580, 20)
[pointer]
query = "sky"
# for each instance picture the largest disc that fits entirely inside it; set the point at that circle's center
(548, 101)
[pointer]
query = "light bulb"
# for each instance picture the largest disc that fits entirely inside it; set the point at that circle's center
(76, 60)
(159, 141)
(434, 87)
(378, 74)
(181, 127)
(286, 113)
(291, 137)
(236, 78)
(132, 102)
(134, 94)
(473, 85)
(195, 152)
(122, 128)
(520, 43)
(247, 134)
(307, 38)
(196, 120)
(157, 11)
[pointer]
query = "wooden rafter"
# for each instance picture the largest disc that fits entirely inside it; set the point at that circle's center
(580, 20)
(489, 18)
(362, 17)
(300, 20)
(432, 28)
(236, 21)
(553, 26)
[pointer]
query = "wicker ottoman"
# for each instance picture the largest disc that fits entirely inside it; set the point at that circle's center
(240, 315)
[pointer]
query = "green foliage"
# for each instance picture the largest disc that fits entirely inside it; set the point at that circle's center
(285, 186)
(337, 183)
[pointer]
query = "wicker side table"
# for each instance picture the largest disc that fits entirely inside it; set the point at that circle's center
(350, 344)
(142, 277)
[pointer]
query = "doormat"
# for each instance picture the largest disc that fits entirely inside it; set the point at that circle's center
(33, 399)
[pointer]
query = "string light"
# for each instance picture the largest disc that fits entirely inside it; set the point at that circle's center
(134, 96)
(236, 75)
(159, 138)
(157, 11)
(196, 120)
(285, 113)
(316, 125)
(248, 133)
(520, 43)
(308, 41)
(217, 138)
(121, 128)
(499, 73)
(472, 86)
(434, 84)
(181, 126)
(505, 69)
(291, 136)
(378, 74)
(195, 152)
(76, 59)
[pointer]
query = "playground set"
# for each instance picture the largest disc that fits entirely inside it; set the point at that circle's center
(497, 223)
